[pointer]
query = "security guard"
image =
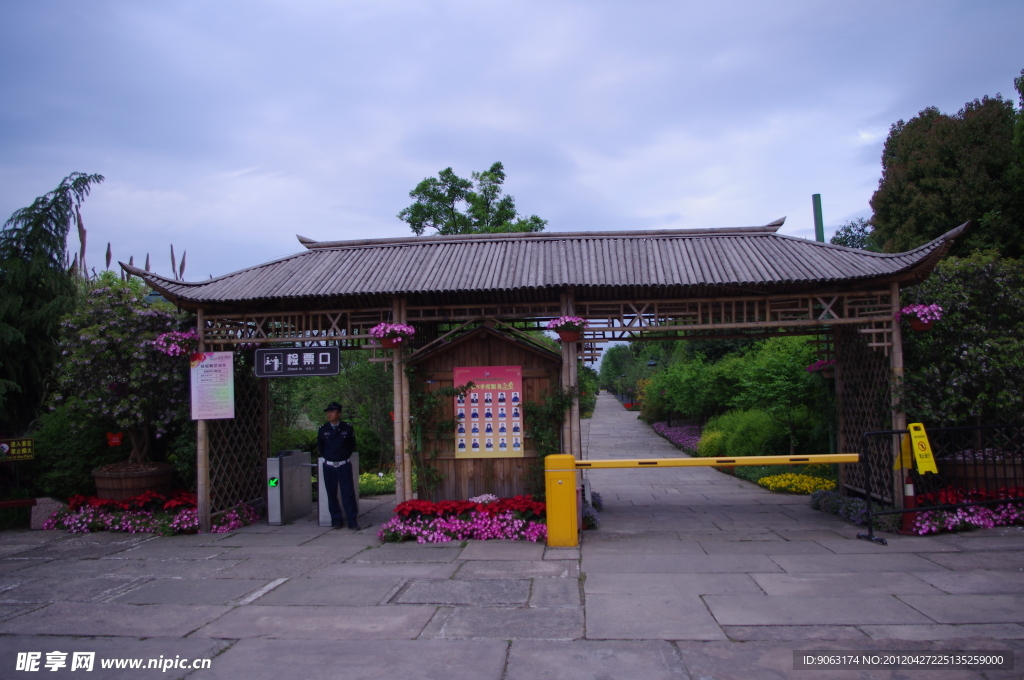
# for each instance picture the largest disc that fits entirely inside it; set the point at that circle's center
(336, 441)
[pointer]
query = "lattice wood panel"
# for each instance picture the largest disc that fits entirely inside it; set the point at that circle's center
(237, 447)
(863, 394)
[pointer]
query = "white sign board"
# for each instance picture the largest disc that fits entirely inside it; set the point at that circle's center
(213, 385)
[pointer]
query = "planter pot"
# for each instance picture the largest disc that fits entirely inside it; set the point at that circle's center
(119, 485)
(570, 336)
(919, 325)
(983, 476)
(390, 343)
(828, 373)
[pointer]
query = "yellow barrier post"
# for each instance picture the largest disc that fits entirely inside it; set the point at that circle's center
(560, 489)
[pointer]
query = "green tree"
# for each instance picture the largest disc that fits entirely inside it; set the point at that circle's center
(450, 204)
(36, 290)
(968, 368)
(941, 170)
(857, 233)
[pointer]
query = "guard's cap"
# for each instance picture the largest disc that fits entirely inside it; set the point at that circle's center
(333, 406)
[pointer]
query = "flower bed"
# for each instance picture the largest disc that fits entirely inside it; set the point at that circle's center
(795, 483)
(937, 521)
(853, 510)
(686, 437)
(148, 512)
(485, 517)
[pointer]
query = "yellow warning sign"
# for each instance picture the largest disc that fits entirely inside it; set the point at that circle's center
(922, 449)
(905, 460)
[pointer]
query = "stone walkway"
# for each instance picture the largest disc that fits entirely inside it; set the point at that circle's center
(694, 574)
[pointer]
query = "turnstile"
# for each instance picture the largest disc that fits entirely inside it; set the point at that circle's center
(289, 492)
(325, 513)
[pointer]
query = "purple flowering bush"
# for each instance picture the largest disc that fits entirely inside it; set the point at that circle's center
(112, 370)
(87, 519)
(685, 437)
(936, 521)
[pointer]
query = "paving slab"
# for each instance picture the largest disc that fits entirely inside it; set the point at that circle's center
(396, 553)
(188, 591)
(642, 547)
(561, 553)
(394, 622)
(124, 620)
(803, 610)
(814, 534)
(335, 553)
(8, 611)
(275, 539)
(402, 570)
(590, 660)
(166, 568)
(975, 582)
(909, 544)
(871, 564)
(718, 564)
(159, 550)
(466, 592)
(792, 633)
(113, 648)
(987, 543)
(763, 548)
(351, 591)
(502, 550)
(89, 589)
(22, 536)
(64, 568)
(270, 569)
(362, 660)
(656, 584)
(18, 563)
(969, 608)
(8, 549)
(927, 632)
(519, 569)
(666, 616)
(883, 583)
(555, 592)
(977, 560)
(73, 550)
(514, 624)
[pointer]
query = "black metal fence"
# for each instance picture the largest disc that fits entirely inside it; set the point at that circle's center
(979, 465)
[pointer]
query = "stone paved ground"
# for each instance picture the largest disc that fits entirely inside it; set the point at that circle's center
(694, 574)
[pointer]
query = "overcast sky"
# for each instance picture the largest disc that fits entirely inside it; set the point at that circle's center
(226, 128)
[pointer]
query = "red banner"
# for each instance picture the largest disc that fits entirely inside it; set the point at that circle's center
(489, 419)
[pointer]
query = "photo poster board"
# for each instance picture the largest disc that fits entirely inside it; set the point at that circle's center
(213, 385)
(489, 420)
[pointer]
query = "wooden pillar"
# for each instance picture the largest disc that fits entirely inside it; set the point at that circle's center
(399, 410)
(899, 416)
(406, 423)
(571, 439)
(202, 449)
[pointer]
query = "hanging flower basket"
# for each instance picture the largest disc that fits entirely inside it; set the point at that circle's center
(569, 328)
(921, 317)
(392, 335)
(826, 368)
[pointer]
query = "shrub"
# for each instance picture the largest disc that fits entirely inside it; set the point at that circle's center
(711, 445)
(68, 449)
(853, 510)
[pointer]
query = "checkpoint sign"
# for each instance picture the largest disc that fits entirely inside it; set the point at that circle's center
(297, 362)
(922, 449)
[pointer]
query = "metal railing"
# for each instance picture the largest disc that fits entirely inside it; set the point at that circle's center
(976, 466)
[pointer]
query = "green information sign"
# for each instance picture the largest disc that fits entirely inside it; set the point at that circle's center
(17, 449)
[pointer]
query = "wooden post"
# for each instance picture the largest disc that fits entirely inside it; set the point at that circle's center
(566, 376)
(899, 416)
(202, 450)
(406, 424)
(399, 410)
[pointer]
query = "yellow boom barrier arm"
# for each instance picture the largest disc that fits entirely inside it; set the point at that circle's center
(560, 482)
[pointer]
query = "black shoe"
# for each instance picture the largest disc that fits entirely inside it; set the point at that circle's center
(360, 528)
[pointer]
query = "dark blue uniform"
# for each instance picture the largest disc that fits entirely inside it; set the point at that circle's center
(336, 445)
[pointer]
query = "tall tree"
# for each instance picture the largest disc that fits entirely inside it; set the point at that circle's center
(941, 170)
(36, 289)
(450, 204)
(856, 233)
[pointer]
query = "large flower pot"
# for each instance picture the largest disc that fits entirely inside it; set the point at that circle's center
(570, 336)
(121, 484)
(919, 325)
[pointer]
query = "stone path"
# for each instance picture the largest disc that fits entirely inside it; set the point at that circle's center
(694, 574)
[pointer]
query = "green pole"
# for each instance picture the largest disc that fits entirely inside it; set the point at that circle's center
(819, 224)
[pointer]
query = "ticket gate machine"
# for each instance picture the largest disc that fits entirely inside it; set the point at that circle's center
(325, 513)
(289, 492)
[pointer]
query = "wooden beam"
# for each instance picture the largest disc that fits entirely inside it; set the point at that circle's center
(202, 449)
